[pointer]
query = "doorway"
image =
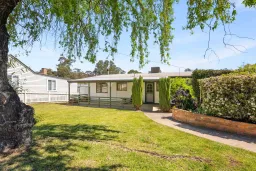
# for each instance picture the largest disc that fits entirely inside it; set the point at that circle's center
(149, 92)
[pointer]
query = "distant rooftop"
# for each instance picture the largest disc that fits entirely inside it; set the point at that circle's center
(130, 77)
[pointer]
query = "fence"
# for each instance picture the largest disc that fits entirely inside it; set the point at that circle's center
(43, 97)
(112, 102)
(81, 99)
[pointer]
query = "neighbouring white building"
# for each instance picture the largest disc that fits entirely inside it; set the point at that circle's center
(37, 87)
(120, 85)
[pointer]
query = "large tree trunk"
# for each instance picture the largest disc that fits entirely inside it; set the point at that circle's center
(16, 118)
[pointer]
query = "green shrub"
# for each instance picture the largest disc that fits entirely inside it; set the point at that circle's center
(248, 68)
(201, 74)
(245, 70)
(230, 96)
(165, 94)
(137, 89)
(182, 99)
(177, 83)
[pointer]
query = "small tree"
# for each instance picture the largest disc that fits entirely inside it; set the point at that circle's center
(137, 89)
(133, 71)
(188, 70)
(165, 94)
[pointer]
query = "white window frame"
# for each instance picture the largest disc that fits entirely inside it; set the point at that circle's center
(121, 83)
(47, 83)
(101, 87)
(18, 84)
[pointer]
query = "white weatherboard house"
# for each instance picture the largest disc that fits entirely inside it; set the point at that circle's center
(120, 85)
(37, 87)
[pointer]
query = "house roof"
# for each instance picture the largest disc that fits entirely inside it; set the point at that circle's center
(130, 77)
(28, 68)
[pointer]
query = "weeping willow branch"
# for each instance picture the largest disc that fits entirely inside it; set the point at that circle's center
(236, 47)
(78, 25)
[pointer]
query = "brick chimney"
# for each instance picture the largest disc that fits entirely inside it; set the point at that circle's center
(43, 71)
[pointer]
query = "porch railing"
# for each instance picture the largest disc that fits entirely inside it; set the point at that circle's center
(112, 102)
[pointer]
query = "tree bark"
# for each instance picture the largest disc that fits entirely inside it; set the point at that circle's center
(16, 118)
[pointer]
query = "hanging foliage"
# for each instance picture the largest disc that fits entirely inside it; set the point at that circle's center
(78, 25)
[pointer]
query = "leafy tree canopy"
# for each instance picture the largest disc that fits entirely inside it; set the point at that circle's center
(107, 67)
(250, 68)
(132, 71)
(64, 67)
(250, 3)
(77, 25)
(64, 70)
(188, 70)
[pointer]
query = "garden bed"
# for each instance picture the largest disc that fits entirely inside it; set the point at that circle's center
(214, 122)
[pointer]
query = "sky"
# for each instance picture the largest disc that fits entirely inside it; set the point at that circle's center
(187, 51)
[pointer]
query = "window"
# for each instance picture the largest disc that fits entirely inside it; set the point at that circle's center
(157, 86)
(121, 86)
(51, 85)
(101, 87)
(150, 88)
(15, 80)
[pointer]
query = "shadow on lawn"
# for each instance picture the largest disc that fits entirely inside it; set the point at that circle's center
(78, 132)
(55, 145)
(102, 106)
(102, 168)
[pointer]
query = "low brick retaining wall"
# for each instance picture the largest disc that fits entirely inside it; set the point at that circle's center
(214, 122)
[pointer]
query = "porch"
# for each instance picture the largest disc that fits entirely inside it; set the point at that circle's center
(115, 91)
(109, 102)
(112, 94)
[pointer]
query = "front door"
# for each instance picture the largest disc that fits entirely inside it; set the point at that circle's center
(149, 92)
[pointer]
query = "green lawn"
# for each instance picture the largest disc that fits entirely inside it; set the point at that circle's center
(82, 138)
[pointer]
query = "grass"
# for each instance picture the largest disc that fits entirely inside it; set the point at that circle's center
(82, 138)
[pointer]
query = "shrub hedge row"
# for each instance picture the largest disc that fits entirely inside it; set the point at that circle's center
(248, 68)
(230, 96)
(201, 74)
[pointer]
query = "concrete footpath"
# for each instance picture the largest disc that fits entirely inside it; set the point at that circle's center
(240, 141)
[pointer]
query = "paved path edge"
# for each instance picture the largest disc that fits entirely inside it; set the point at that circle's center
(235, 140)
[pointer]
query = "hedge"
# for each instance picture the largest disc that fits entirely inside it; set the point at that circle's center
(165, 94)
(137, 90)
(248, 68)
(201, 74)
(230, 96)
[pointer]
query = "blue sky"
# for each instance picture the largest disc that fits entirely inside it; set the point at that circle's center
(186, 51)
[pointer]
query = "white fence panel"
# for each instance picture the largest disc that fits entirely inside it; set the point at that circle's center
(43, 97)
